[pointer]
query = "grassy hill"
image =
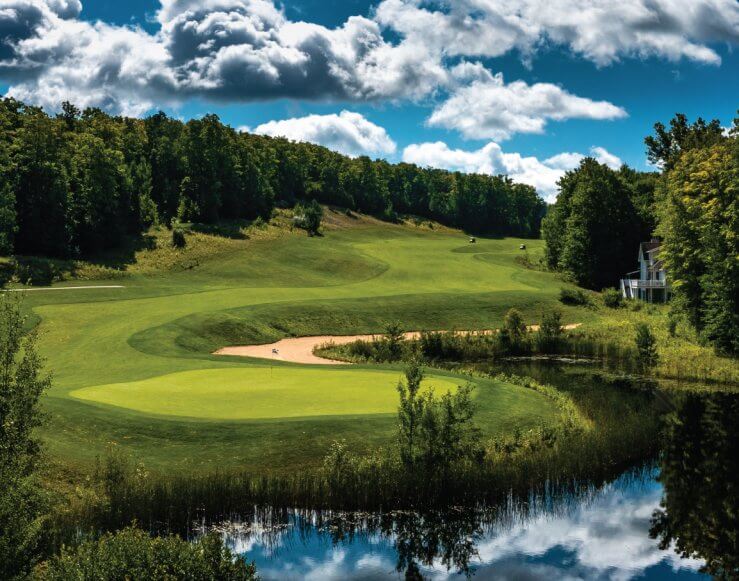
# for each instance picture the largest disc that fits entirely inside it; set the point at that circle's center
(133, 366)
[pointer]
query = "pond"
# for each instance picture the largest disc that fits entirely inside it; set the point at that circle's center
(673, 516)
(603, 534)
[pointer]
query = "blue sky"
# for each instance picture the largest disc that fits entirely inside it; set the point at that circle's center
(573, 78)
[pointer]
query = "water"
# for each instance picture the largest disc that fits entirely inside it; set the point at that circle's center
(604, 534)
(668, 519)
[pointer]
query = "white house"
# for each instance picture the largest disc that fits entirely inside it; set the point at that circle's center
(649, 283)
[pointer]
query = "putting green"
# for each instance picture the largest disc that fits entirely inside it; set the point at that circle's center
(260, 393)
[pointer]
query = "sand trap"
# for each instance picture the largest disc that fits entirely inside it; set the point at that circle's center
(300, 349)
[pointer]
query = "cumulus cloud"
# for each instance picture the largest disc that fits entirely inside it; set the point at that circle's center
(488, 108)
(246, 50)
(349, 133)
(602, 31)
(491, 159)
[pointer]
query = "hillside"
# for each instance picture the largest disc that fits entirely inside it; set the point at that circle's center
(130, 363)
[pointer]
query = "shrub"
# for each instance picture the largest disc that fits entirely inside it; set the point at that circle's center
(178, 237)
(133, 554)
(37, 271)
(612, 298)
(672, 322)
(646, 347)
(309, 216)
(513, 335)
(573, 297)
(7, 269)
(550, 331)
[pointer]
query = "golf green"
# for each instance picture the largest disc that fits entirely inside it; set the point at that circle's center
(260, 393)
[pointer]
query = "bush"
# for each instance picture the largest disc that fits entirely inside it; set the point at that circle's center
(550, 331)
(37, 271)
(646, 347)
(133, 554)
(612, 298)
(7, 269)
(308, 217)
(573, 297)
(178, 237)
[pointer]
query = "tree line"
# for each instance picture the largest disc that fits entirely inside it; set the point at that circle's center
(79, 182)
(593, 231)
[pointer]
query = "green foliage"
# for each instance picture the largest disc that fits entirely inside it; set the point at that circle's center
(133, 554)
(410, 412)
(666, 146)
(512, 337)
(612, 298)
(178, 237)
(435, 434)
(8, 224)
(646, 347)
(36, 271)
(593, 229)
(698, 514)
(308, 216)
(550, 331)
(574, 297)
(80, 183)
(21, 386)
(698, 215)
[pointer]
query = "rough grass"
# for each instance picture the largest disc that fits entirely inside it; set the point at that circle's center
(359, 276)
(356, 278)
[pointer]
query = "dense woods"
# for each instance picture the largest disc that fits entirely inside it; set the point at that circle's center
(593, 230)
(78, 183)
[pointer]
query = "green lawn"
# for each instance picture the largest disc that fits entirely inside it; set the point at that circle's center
(132, 366)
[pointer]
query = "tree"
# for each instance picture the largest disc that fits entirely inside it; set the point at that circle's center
(39, 181)
(590, 234)
(698, 221)
(699, 512)
(410, 412)
(665, 147)
(513, 334)
(550, 330)
(21, 385)
(309, 217)
(8, 224)
(646, 347)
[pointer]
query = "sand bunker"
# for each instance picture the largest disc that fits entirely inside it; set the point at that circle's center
(300, 349)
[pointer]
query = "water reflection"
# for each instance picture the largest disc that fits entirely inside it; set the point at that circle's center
(676, 519)
(595, 534)
(700, 475)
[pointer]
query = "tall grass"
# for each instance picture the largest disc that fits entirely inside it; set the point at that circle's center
(605, 428)
(610, 341)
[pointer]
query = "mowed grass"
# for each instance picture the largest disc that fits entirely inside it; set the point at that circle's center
(260, 393)
(141, 358)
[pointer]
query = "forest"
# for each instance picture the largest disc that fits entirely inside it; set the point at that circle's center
(78, 183)
(593, 231)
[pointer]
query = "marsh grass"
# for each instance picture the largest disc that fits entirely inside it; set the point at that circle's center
(610, 339)
(605, 427)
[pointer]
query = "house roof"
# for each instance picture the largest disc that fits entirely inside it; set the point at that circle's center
(647, 247)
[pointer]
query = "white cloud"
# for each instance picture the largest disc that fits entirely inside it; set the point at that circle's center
(349, 133)
(600, 30)
(491, 159)
(488, 108)
(247, 50)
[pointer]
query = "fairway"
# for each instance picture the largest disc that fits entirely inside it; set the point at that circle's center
(260, 393)
(133, 366)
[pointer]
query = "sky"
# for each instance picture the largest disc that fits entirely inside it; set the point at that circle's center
(522, 87)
